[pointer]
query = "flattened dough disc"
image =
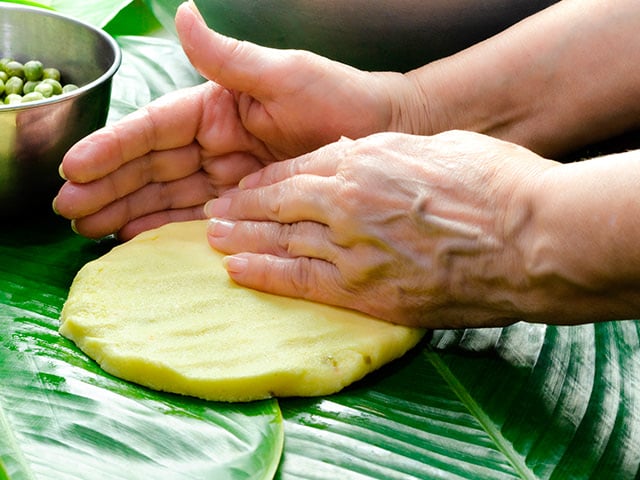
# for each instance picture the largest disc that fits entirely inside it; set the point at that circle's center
(161, 311)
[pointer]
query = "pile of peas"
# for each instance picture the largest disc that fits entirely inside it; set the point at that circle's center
(29, 82)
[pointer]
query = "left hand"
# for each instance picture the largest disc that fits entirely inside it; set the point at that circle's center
(164, 161)
(422, 231)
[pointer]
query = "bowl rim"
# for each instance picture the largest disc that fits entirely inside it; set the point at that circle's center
(111, 71)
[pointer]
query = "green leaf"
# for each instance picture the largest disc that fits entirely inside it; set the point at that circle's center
(527, 402)
(125, 17)
(62, 417)
(96, 12)
(404, 423)
(151, 67)
(134, 19)
(29, 3)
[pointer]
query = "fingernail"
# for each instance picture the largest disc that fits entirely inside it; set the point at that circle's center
(235, 263)
(53, 206)
(194, 9)
(219, 227)
(74, 228)
(61, 172)
(218, 207)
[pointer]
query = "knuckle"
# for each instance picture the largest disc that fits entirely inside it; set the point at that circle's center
(284, 240)
(270, 203)
(301, 277)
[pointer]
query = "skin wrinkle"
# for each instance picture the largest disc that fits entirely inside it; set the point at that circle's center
(301, 278)
(115, 187)
(196, 138)
(421, 101)
(209, 106)
(117, 140)
(261, 151)
(287, 241)
(467, 239)
(149, 132)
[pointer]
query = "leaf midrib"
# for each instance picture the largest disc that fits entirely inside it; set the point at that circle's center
(505, 446)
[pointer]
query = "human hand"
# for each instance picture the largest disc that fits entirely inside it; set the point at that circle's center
(165, 161)
(425, 231)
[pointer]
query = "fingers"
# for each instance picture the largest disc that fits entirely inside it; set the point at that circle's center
(300, 189)
(77, 199)
(300, 198)
(307, 239)
(299, 277)
(185, 193)
(238, 65)
(296, 260)
(169, 122)
(323, 162)
(87, 228)
(158, 219)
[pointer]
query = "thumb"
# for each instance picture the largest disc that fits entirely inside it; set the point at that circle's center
(236, 65)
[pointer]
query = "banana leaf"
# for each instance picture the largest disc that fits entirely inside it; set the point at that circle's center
(528, 401)
(525, 402)
(97, 13)
(62, 417)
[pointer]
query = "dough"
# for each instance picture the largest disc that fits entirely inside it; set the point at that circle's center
(161, 311)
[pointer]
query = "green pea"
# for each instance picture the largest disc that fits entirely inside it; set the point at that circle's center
(3, 63)
(33, 70)
(13, 85)
(69, 87)
(14, 69)
(29, 86)
(12, 98)
(57, 88)
(29, 81)
(45, 89)
(32, 97)
(51, 73)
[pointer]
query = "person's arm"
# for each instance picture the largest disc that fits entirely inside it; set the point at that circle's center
(452, 230)
(560, 79)
(582, 241)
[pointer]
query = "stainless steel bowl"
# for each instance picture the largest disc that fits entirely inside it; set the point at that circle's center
(35, 136)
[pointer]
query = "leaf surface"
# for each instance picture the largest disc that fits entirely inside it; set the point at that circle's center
(62, 417)
(527, 402)
(151, 67)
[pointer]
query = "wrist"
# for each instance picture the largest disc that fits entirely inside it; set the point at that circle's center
(579, 249)
(469, 91)
(408, 105)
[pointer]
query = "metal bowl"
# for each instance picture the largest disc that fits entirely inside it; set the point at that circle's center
(35, 136)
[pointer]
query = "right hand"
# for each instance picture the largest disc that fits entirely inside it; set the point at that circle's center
(261, 105)
(429, 231)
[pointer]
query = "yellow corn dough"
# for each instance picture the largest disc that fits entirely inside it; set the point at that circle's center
(161, 311)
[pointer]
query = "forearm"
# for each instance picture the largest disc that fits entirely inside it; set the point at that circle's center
(560, 79)
(582, 245)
